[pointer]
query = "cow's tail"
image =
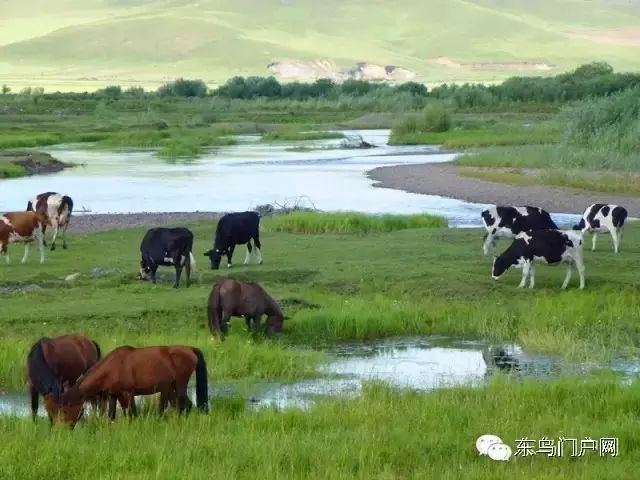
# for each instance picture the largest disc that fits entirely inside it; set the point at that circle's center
(580, 225)
(192, 264)
(619, 215)
(213, 309)
(68, 203)
(202, 382)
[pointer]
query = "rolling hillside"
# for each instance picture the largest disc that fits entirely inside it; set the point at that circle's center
(72, 44)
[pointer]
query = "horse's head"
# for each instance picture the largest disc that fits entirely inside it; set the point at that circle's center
(274, 323)
(215, 255)
(71, 408)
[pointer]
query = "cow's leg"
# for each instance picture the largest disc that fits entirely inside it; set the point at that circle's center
(567, 277)
(40, 240)
(153, 274)
(258, 245)
(580, 267)
(532, 276)
(593, 241)
(64, 234)
(177, 261)
(34, 402)
(26, 253)
(230, 255)
(3, 251)
(616, 241)
(525, 274)
(489, 243)
(187, 268)
(44, 231)
(247, 258)
(55, 226)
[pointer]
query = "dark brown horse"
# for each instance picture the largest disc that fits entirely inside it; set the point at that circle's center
(232, 298)
(129, 371)
(54, 364)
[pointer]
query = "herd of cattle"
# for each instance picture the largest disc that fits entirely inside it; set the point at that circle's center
(127, 371)
(538, 239)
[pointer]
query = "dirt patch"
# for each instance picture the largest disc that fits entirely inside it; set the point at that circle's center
(444, 180)
(34, 162)
(493, 66)
(316, 69)
(628, 37)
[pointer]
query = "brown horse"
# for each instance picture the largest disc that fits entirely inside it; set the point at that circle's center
(231, 298)
(129, 371)
(56, 363)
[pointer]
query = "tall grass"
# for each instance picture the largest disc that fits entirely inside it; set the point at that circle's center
(435, 117)
(348, 222)
(11, 170)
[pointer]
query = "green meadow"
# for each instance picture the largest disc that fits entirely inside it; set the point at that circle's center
(337, 282)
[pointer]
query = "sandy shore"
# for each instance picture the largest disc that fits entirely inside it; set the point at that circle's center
(83, 223)
(442, 179)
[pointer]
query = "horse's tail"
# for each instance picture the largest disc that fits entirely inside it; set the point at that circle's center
(41, 375)
(214, 309)
(202, 387)
(98, 351)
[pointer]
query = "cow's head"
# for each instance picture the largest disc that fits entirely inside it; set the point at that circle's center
(215, 255)
(146, 268)
(500, 265)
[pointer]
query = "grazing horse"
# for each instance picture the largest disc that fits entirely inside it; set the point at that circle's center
(231, 298)
(56, 363)
(56, 209)
(129, 371)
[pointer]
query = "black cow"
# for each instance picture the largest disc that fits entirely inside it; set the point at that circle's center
(235, 229)
(600, 218)
(550, 246)
(167, 246)
(507, 222)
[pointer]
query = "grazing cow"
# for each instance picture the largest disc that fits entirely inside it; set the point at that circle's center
(550, 246)
(167, 246)
(56, 209)
(600, 218)
(23, 227)
(235, 229)
(507, 222)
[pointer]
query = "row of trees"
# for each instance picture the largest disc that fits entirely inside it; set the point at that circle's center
(591, 80)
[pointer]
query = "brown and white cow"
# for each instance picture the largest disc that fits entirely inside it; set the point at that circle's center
(56, 209)
(22, 227)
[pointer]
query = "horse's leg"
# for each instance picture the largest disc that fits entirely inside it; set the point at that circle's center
(112, 406)
(181, 396)
(247, 319)
(128, 401)
(34, 402)
(247, 258)
(163, 402)
(224, 322)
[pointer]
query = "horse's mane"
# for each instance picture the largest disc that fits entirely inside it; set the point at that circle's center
(42, 376)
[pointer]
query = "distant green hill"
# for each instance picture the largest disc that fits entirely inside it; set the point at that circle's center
(89, 43)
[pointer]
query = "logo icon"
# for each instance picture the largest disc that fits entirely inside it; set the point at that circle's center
(493, 447)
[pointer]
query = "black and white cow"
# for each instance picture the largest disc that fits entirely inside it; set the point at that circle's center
(167, 246)
(507, 222)
(57, 210)
(601, 218)
(549, 246)
(235, 229)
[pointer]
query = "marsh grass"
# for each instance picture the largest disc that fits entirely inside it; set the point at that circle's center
(383, 433)
(348, 222)
(291, 133)
(11, 170)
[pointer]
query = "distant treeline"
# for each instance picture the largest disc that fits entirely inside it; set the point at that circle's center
(590, 80)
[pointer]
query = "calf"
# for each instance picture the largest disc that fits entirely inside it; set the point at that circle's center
(235, 229)
(600, 218)
(550, 246)
(167, 246)
(24, 227)
(507, 222)
(56, 209)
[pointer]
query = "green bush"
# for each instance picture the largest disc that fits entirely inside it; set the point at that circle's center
(435, 117)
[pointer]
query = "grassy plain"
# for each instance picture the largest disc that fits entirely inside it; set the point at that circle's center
(334, 287)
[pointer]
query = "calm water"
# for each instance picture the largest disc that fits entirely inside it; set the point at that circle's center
(422, 363)
(241, 177)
